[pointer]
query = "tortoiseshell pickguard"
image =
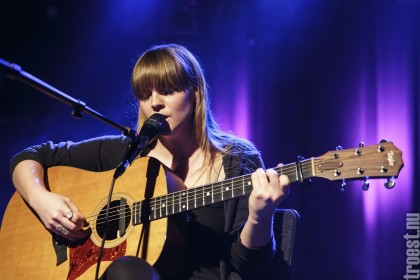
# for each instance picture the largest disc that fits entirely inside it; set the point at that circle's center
(84, 256)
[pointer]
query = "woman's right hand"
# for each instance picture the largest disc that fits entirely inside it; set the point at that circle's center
(59, 215)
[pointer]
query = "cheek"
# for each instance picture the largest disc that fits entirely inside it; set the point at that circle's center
(187, 103)
(186, 108)
(145, 108)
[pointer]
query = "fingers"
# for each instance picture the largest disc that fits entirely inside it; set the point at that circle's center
(269, 184)
(70, 221)
(270, 176)
(68, 234)
(273, 176)
(284, 180)
(76, 216)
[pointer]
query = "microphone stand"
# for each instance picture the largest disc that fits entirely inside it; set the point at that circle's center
(15, 72)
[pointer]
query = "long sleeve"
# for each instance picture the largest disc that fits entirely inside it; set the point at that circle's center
(247, 262)
(96, 154)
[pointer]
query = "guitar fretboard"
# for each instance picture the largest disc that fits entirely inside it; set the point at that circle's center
(188, 199)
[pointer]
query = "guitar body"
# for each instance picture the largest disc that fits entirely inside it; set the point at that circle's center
(27, 250)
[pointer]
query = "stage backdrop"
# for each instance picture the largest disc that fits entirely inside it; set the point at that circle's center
(295, 77)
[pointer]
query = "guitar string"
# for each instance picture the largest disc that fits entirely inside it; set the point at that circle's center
(178, 200)
(176, 195)
(181, 198)
(184, 199)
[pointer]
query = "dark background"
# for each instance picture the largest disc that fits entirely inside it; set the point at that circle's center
(295, 77)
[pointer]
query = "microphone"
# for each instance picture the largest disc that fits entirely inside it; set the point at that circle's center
(151, 129)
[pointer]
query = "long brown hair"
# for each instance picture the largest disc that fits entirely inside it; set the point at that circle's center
(174, 67)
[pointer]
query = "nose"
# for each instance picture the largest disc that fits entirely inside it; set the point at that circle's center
(157, 101)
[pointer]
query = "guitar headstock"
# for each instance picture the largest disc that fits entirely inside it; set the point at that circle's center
(383, 160)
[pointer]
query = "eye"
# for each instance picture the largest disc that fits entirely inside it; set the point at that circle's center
(167, 91)
(145, 94)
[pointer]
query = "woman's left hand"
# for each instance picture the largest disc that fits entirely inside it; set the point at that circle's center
(269, 190)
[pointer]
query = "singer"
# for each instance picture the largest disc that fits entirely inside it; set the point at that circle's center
(227, 240)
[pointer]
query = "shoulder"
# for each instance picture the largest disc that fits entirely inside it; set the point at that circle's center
(117, 139)
(234, 145)
(240, 156)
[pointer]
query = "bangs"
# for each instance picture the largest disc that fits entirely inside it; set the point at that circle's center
(160, 70)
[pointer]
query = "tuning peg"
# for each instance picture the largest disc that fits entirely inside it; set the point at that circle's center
(334, 154)
(384, 140)
(361, 144)
(343, 185)
(366, 184)
(390, 183)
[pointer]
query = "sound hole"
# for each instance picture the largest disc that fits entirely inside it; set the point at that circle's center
(119, 219)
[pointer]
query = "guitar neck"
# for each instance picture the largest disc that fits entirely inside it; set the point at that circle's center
(189, 199)
(383, 160)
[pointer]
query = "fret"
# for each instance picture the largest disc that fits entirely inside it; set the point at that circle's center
(290, 173)
(182, 201)
(171, 203)
(227, 190)
(248, 185)
(166, 206)
(307, 171)
(152, 210)
(158, 206)
(195, 198)
(187, 200)
(208, 195)
(222, 191)
(176, 202)
(218, 193)
(163, 206)
(200, 193)
(237, 190)
(204, 195)
(232, 187)
(179, 203)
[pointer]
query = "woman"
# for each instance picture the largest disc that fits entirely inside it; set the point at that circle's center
(225, 240)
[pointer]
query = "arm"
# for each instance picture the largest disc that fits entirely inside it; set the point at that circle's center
(269, 190)
(255, 245)
(28, 178)
(29, 166)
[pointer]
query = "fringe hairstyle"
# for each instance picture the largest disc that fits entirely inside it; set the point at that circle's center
(174, 67)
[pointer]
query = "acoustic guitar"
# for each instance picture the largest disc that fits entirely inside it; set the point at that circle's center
(144, 208)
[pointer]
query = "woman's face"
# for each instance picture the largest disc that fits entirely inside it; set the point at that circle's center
(176, 106)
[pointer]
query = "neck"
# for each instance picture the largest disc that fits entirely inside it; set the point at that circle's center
(177, 155)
